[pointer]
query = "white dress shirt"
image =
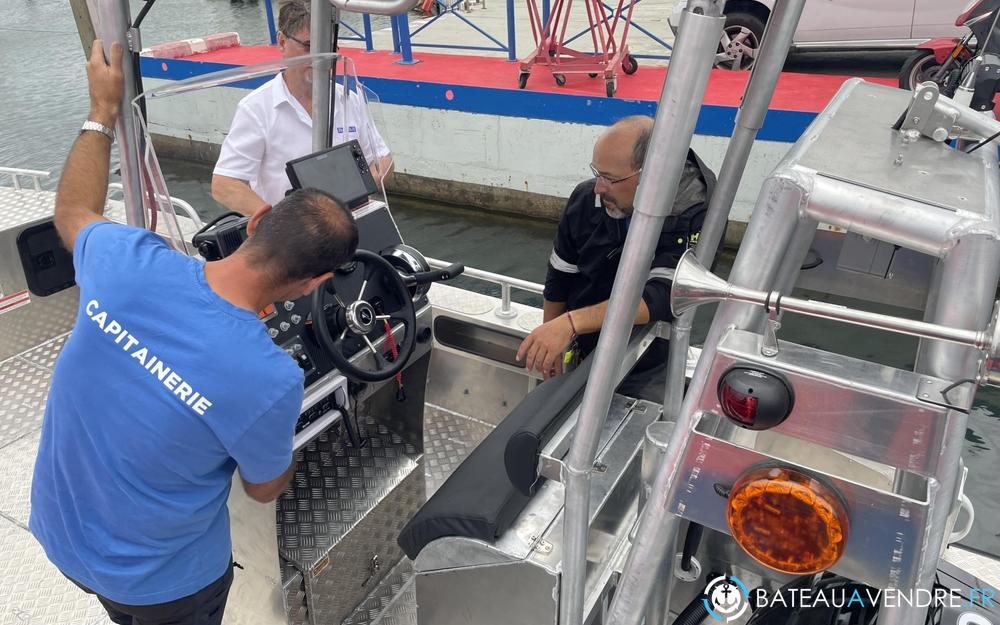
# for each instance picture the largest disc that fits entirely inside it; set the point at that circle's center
(271, 127)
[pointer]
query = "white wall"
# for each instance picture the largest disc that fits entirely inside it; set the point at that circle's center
(532, 155)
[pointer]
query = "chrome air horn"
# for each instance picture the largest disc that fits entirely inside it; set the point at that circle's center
(695, 285)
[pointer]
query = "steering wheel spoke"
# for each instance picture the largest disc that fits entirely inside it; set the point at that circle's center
(379, 278)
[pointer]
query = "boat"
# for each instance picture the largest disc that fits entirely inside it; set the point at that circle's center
(472, 492)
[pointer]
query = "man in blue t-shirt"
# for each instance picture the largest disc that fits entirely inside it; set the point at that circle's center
(167, 385)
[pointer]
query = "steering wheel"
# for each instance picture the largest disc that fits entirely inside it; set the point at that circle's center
(355, 317)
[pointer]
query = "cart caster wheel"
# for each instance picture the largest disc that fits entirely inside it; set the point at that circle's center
(609, 87)
(630, 65)
(560, 79)
(522, 80)
(593, 74)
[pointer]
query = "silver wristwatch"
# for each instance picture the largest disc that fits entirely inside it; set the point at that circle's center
(97, 127)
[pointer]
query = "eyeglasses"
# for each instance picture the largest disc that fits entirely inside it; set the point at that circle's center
(305, 44)
(611, 181)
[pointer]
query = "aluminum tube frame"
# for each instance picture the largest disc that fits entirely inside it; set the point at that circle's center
(968, 282)
(796, 255)
(113, 23)
(749, 120)
(321, 36)
(677, 114)
(375, 7)
(866, 212)
(770, 231)
(653, 451)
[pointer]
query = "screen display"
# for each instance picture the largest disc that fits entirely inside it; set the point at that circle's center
(334, 171)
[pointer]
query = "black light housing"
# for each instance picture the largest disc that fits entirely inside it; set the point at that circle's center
(755, 399)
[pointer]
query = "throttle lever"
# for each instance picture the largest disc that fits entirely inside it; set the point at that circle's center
(434, 275)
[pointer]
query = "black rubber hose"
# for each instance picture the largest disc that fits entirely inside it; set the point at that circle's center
(691, 543)
(694, 613)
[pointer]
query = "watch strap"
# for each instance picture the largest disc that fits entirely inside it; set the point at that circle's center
(98, 127)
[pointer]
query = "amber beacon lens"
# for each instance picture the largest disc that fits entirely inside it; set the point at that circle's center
(787, 520)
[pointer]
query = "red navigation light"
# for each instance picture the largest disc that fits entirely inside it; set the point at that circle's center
(738, 406)
(755, 399)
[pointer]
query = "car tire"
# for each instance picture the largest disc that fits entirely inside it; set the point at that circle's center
(918, 67)
(741, 40)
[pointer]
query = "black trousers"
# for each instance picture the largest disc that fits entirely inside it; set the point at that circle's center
(204, 607)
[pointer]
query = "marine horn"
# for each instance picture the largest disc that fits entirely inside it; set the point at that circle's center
(694, 285)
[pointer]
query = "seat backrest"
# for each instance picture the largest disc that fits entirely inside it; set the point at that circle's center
(479, 500)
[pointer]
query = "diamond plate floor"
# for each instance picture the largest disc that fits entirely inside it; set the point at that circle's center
(45, 355)
(983, 567)
(17, 462)
(33, 591)
(449, 438)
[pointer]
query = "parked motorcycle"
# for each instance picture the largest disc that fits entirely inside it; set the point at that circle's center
(945, 60)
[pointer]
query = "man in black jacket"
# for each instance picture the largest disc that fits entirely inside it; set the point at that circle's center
(588, 247)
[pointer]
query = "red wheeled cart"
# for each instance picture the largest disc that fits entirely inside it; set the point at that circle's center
(609, 52)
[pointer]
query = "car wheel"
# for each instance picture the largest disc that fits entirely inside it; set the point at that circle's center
(921, 66)
(740, 41)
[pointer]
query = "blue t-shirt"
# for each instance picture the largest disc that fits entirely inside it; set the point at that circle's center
(162, 389)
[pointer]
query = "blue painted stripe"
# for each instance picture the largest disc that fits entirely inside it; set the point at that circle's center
(714, 120)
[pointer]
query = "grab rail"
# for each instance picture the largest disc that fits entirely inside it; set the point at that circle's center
(187, 209)
(36, 176)
(506, 283)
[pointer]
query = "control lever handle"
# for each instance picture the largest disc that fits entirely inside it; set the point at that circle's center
(434, 275)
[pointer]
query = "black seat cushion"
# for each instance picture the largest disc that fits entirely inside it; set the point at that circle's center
(479, 500)
(526, 443)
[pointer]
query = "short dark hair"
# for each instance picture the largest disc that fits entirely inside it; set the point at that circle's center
(640, 147)
(292, 16)
(305, 235)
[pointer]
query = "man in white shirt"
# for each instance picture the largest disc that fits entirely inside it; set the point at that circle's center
(273, 125)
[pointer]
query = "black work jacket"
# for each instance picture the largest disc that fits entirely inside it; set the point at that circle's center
(588, 247)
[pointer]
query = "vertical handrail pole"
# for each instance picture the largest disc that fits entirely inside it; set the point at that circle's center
(112, 22)
(511, 35)
(405, 50)
(677, 114)
(321, 36)
(394, 27)
(546, 9)
(366, 20)
(749, 120)
(272, 30)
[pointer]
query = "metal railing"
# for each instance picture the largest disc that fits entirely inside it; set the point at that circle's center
(117, 193)
(403, 32)
(35, 175)
(364, 35)
(612, 14)
(402, 35)
(506, 283)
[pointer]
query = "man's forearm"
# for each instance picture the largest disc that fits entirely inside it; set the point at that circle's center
(551, 310)
(83, 186)
(591, 318)
(236, 195)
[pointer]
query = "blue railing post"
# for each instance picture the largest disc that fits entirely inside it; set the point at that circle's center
(394, 26)
(271, 31)
(403, 28)
(546, 9)
(367, 21)
(511, 41)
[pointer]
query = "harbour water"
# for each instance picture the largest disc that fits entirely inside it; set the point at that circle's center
(43, 100)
